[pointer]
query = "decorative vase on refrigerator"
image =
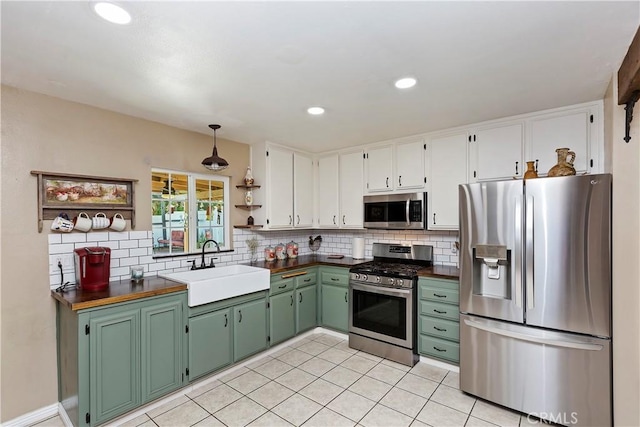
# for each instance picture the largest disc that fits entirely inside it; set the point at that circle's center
(535, 296)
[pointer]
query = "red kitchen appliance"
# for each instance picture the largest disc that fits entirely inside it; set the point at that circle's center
(92, 268)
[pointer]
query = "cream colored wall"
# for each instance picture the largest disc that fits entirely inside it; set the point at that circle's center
(625, 162)
(49, 134)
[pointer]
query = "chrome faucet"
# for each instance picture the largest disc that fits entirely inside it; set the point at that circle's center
(204, 245)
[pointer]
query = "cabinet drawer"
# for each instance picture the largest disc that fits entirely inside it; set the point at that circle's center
(437, 347)
(331, 278)
(447, 329)
(438, 309)
(438, 294)
(306, 280)
(279, 286)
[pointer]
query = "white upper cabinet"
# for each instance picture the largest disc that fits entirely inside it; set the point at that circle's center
(410, 165)
(448, 169)
(574, 128)
(302, 190)
(379, 170)
(351, 173)
(279, 187)
(328, 192)
(497, 151)
(287, 199)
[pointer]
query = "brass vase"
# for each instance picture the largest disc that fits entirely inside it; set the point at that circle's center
(531, 171)
(565, 163)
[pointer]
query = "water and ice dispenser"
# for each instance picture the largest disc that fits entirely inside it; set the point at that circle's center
(492, 271)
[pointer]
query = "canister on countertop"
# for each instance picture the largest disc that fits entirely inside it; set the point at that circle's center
(269, 254)
(281, 251)
(292, 249)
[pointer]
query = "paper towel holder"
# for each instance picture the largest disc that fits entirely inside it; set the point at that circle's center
(357, 248)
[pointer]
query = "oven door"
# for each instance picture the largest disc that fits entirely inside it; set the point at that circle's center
(384, 314)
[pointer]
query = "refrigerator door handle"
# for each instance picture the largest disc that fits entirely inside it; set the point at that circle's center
(518, 251)
(529, 248)
(531, 338)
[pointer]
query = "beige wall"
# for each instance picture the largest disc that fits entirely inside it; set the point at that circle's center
(49, 134)
(625, 162)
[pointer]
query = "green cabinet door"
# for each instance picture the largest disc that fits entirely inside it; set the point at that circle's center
(250, 328)
(162, 333)
(281, 317)
(306, 308)
(335, 307)
(114, 363)
(209, 342)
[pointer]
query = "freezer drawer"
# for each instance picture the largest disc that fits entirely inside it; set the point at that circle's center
(562, 377)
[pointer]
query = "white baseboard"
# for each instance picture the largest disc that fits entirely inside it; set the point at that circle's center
(33, 417)
(439, 364)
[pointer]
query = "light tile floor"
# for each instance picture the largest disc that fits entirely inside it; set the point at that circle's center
(320, 381)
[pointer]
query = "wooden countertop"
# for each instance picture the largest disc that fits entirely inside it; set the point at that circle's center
(440, 272)
(121, 291)
(304, 261)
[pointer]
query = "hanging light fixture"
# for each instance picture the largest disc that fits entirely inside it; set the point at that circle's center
(168, 191)
(215, 163)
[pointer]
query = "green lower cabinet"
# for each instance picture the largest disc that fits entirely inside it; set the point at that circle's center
(306, 308)
(438, 313)
(250, 329)
(210, 337)
(162, 335)
(114, 364)
(335, 307)
(281, 317)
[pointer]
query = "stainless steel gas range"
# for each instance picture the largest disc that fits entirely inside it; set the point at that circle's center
(383, 302)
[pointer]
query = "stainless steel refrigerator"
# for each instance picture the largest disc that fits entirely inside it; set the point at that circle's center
(535, 296)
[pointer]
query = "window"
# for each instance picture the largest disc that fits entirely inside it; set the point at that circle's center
(187, 209)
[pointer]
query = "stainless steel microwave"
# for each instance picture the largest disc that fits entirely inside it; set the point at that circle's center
(396, 211)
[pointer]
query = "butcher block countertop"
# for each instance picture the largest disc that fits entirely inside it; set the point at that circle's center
(126, 290)
(121, 291)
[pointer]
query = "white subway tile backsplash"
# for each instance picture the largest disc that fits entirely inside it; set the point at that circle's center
(157, 266)
(145, 243)
(98, 235)
(61, 248)
(173, 264)
(121, 271)
(110, 244)
(86, 245)
(128, 261)
(138, 234)
(123, 235)
(54, 238)
(124, 244)
(119, 253)
(138, 252)
(74, 238)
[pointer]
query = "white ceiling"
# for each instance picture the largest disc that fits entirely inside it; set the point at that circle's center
(255, 67)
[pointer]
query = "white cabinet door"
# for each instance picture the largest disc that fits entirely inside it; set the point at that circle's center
(280, 187)
(328, 192)
(351, 185)
(448, 167)
(303, 190)
(497, 152)
(410, 158)
(570, 129)
(380, 169)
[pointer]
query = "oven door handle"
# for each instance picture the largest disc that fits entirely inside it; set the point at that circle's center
(396, 292)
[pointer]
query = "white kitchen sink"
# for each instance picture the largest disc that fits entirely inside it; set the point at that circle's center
(215, 284)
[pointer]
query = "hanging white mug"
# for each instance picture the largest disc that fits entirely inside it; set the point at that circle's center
(118, 222)
(62, 223)
(100, 221)
(82, 222)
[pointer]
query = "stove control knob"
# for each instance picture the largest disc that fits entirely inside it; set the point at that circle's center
(364, 277)
(391, 280)
(399, 282)
(378, 279)
(357, 276)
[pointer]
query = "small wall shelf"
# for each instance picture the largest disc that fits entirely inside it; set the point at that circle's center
(248, 207)
(248, 188)
(249, 227)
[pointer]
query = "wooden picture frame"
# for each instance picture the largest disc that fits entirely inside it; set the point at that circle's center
(71, 194)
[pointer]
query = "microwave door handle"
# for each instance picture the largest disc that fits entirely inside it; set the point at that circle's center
(407, 211)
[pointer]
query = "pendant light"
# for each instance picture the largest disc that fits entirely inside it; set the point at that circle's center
(168, 191)
(214, 162)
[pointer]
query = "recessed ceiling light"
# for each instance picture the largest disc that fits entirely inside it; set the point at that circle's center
(405, 83)
(315, 111)
(112, 13)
